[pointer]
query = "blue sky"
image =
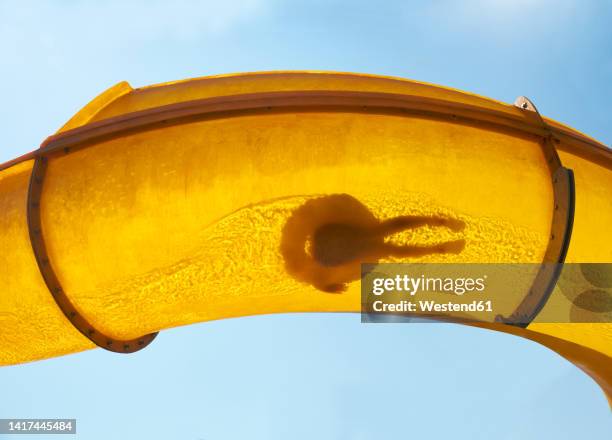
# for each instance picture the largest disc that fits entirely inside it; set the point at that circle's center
(309, 376)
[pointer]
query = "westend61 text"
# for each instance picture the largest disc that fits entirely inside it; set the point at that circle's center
(432, 306)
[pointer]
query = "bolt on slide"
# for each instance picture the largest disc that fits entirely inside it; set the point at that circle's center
(261, 193)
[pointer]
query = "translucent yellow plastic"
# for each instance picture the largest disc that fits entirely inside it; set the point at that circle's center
(182, 224)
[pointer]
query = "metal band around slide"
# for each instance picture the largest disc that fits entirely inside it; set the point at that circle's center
(560, 231)
(51, 280)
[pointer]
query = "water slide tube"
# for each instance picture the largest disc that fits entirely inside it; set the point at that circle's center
(197, 200)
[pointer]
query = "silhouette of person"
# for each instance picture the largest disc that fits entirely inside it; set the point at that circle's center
(326, 239)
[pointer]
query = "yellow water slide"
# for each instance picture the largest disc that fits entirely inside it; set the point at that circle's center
(198, 200)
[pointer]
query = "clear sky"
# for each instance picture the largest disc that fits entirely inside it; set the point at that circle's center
(309, 376)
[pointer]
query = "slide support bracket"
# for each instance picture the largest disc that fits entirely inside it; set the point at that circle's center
(35, 227)
(560, 232)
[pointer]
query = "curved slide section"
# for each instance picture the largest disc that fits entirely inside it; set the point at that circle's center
(198, 200)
